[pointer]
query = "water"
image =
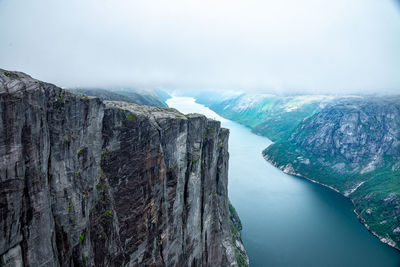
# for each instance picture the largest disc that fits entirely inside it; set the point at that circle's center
(289, 221)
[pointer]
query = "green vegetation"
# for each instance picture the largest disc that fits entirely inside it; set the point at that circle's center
(241, 257)
(173, 167)
(82, 237)
(280, 124)
(11, 74)
(235, 231)
(368, 198)
(108, 213)
(236, 227)
(101, 186)
(375, 194)
(80, 152)
(60, 99)
(380, 215)
(61, 96)
(131, 117)
(272, 116)
(221, 143)
(106, 155)
(234, 213)
(209, 131)
(285, 154)
(70, 205)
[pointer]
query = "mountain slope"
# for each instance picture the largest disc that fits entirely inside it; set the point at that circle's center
(349, 143)
(269, 115)
(140, 97)
(352, 146)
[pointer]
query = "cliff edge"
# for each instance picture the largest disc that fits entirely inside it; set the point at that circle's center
(92, 183)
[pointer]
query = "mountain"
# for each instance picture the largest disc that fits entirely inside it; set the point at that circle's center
(350, 144)
(269, 115)
(86, 182)
(155, 98)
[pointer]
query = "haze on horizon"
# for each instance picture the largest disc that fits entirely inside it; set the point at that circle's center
(309, 46)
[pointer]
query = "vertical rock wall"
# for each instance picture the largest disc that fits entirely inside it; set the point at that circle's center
(87, 183)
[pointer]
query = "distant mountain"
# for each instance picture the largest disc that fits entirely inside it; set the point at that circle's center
(269, 115)
(350, 144)
(141, 97)
(163, 95)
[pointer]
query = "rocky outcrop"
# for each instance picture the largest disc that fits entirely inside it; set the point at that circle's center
(353, 147)
(92, 183)
(355, 131)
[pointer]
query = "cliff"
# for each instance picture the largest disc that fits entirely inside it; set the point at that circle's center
(92, 183)
(353, 147)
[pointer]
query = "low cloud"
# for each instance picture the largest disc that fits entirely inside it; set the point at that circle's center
(312, 46)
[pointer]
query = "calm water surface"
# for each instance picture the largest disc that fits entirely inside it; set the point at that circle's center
(288, 221)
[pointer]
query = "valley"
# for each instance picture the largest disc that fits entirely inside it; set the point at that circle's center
(348, 143)
(289, 221)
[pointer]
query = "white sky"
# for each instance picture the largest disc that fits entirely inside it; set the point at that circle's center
(323, 46)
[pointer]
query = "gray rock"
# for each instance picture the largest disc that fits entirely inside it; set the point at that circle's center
(358, 131)
(89, 183)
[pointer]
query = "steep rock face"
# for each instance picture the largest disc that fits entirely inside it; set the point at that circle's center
(108, 184)
(236, 227)
(356, 131)
(353, 147)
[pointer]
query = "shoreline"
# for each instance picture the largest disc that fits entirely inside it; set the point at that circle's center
(384, 240)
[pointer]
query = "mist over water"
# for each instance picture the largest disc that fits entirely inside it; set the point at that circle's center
(309, 46)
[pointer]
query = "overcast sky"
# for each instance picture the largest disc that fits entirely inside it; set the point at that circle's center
(324, 46)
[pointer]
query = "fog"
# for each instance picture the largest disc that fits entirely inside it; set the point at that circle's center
(310, 46)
